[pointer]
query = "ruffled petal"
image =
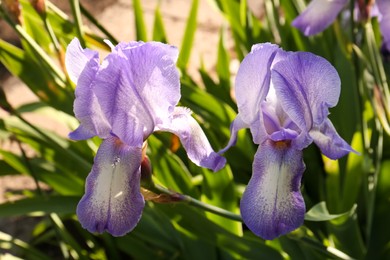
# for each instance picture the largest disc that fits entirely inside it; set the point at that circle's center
(306, 86)
(253, 80)
(329, 141)
(272, 204)
(384, 22)
(235, 126)
(82, 66)
(318, 15)
(77, 59)
(193, 139)
(138, 87)
(113, 201)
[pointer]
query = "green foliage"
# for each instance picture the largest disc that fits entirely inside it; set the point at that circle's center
(347, 200)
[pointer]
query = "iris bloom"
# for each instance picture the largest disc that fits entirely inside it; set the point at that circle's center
(283, 98)
(133, 93)
(319, 14)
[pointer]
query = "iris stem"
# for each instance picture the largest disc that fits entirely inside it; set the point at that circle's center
(196, 203)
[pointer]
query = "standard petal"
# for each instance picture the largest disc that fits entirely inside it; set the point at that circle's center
(384, 22)
(82, 66)
(113, 201)
(77, 59)
(329, 141)
(318, 15)
(138, 87)
(253, 80)
(306, 86)
(193, 139)
(272, 204)
(252, 85)
(236, 125)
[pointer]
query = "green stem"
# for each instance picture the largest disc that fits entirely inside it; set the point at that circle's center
(196, 203)
(75, 5)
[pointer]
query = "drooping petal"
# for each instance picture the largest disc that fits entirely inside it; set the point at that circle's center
(82, 66)
(235, 126)
(193, 139)
(112, 200)
(318, 15)
(306, 86)
(252, 85)
(329, 141)
(272, 204)
(138, 87)
(384, 22)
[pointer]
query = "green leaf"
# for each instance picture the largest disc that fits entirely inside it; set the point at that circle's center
(169, 169)
(35, 77)
(193, 222)
(158, 28)
(40, 205)
(188, 37)
(139, 21)
(219, 190)
(319, 212)
(7, 241)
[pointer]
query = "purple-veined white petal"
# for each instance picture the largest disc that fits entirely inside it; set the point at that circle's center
(112, 200)
(138, 87)
(193, 139)
(384, 22)
(318, 15)
(272, 204)
(82, 66)
(329, 141)
(306, 86)
(235, 126)
(252, 85)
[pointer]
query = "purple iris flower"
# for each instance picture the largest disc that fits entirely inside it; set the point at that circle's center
(133, 93)
(319, 14)
(283, 98)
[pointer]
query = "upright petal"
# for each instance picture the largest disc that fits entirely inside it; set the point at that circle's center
(82, 66)
(384, 22)
(193, 139)
(138, 87)
(329, 141)
(112, 200)
(272, 204)
(318, 15)
(252, 85)
(306, 86)
(77, 59)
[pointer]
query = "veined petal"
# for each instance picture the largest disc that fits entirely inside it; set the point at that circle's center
(138, 87)
(82, 66)
(235, 126)
(193, 139)
(318, 15)
(272, 204)
(306, 86)
(77, 59)
(253, 80)
(112, 200)
(329, 141)
(384, 22)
